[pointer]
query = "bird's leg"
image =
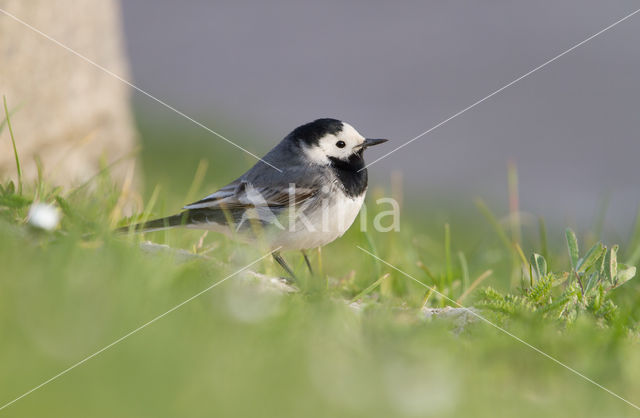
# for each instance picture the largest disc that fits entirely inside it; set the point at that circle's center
(306, 259)
(276, 256)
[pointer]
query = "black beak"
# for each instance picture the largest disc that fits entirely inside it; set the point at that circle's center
(369, 142)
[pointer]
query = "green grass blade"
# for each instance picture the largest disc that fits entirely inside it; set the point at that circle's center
(464, 266)
(447, 253)
(590, 258)
(475, 284)
(632, 255)
(544, 243)
(13, 141)
(611, 269)
(572, 244)
(374, 250)
(514, 203)
(4, 121)
(484, 209)
(104, 170)
(539, 264)
(430, 275)
(625, 273)
(370, 288)
(196, 183)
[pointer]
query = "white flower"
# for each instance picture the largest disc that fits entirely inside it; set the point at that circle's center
(44, 216)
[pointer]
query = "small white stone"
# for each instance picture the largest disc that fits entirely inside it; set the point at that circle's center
(44, 216)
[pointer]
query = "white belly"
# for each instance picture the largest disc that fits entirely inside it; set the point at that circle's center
(317, 225)
(325, 224)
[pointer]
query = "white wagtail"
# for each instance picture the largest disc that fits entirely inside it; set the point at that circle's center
(310, 201)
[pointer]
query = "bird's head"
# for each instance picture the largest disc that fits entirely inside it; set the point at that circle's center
(324, 141)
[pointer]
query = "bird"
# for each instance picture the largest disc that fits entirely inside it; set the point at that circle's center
(303, 194)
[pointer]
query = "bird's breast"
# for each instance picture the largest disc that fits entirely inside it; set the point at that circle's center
(327, 220)
(342, 211)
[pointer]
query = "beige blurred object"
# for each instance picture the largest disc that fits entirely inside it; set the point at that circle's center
(65, 111)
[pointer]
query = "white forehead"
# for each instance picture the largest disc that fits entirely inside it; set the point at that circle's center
(349, 134)
(326, 146)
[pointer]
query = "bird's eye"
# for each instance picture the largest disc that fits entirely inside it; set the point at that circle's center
(340, 144)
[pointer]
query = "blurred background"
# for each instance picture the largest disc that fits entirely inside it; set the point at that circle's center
(252, 71)
(395, 69)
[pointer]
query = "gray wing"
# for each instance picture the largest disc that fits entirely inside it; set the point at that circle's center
(241, 194)
(263, 187)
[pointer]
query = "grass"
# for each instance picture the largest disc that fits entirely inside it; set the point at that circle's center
(242, 350)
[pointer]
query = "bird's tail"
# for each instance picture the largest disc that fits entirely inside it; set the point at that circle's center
(157, 224)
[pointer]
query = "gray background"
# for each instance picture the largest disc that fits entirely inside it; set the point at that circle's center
(395, 69)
